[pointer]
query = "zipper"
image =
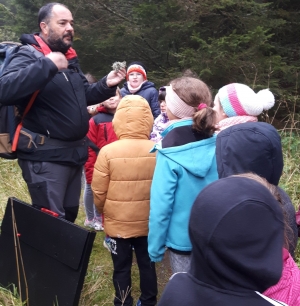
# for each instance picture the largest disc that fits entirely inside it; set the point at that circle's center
(65, 77)
(30, 139)
(105, 132)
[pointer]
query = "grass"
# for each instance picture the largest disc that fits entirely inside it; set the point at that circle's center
(290, 179)
(98, 288)
(8, 298)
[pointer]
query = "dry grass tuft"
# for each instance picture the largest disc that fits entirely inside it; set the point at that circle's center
(8, 298)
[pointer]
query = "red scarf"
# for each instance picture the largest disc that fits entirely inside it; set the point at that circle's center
(44, 48)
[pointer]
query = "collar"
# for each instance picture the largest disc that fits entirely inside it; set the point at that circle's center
(44, 48)
(172, 124)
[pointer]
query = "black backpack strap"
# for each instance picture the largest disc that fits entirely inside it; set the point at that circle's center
(32, 49)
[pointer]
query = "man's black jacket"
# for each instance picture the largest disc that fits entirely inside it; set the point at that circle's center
(59, 111)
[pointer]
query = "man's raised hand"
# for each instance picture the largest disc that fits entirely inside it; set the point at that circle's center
(58, 59)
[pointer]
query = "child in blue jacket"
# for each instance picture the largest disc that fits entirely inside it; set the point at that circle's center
(138, 84)
(185, 163)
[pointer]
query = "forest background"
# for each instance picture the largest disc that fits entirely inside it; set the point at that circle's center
(255, 42)
(221, 41)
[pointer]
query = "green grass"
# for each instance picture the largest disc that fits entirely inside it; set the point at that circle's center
(290, 179)
(98, 288)
(12, 183)
(8, 298)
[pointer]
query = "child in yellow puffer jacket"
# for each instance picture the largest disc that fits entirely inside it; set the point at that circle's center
(121, 185)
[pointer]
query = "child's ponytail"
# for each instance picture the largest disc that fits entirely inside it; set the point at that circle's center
(196, 94)
(204, 121)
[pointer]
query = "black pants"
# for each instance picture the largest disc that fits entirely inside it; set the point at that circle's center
(122, 260)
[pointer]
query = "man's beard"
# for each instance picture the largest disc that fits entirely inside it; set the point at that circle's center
(57, 44)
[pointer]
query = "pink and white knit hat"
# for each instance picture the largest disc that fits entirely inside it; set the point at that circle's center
(240, 100)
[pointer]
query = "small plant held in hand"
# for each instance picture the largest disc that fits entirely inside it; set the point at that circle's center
(117, 66)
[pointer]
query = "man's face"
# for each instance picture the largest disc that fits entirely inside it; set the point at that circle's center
(59, 31)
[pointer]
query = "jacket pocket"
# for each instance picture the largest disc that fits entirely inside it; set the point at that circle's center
(27, 141)
(39, 194)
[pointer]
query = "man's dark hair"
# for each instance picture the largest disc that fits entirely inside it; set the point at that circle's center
(45, 12)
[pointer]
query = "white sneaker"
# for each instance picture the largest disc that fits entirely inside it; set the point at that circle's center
(89, 223)
(98, 225)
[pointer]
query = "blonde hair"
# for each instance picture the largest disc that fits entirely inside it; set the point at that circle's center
(193, 92)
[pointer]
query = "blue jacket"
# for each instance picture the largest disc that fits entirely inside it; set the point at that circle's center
(181, 172)
(147, 91)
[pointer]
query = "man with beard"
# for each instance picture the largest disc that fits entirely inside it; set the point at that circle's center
(52, 148)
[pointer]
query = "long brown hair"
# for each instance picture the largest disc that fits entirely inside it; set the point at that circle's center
(193, 92)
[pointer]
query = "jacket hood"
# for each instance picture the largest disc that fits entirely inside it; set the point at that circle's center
(250, 147)
(28, 39)
(196, 157)
(236, 235)
(144, 86)
(133, 118)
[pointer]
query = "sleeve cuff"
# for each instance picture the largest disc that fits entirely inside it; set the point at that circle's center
(103, 83)
(157, 258)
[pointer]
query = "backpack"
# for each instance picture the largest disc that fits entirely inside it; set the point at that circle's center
(10, 120)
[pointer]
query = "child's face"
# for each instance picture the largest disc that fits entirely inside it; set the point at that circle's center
(219, 109)
(135, 79)
(112, 103)
(163, 106)
(170, 115)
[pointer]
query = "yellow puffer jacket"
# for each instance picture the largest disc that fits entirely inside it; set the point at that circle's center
(124, 169)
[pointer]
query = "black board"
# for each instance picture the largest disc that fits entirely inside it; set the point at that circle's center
(53, 252)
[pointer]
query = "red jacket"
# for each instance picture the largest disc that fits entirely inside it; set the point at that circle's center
(100, 133)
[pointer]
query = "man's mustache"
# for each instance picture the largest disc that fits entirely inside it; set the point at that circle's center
(68, 35)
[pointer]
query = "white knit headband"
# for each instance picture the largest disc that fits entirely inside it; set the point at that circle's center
(177, 106)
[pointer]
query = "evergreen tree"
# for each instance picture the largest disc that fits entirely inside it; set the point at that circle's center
(248, 41)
